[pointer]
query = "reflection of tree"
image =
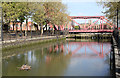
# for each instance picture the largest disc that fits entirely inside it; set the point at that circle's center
(107, 59)
(10, 65)
(43, 61)
(46, 63)
(55, 63)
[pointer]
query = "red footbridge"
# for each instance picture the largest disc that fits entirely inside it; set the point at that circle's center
(101, 24)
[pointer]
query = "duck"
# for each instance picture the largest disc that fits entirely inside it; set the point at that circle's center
(25, 67)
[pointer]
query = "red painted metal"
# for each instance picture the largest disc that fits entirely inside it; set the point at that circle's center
(91, 30)
(60, 27)
(56, 27)
(86, 17)
(85, 28)
(108, 23)
(77, 23)
(92, 24)
(85, 24)
(111, 23)
(101, 25)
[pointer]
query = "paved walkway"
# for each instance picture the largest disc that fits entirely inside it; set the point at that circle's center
(117, 60)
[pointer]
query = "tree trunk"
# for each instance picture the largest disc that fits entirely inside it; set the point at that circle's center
(41, 28)
(46, 26)
(26, 27)
(53, 29)
(13, 25)
(31, 30)
(21, 26)
(37, 28)
(16, 28)
(27, 24)
(9, 24)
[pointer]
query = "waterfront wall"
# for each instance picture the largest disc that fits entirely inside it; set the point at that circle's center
(9, 44)
(90, 35)
(116, 57)
(27, 41)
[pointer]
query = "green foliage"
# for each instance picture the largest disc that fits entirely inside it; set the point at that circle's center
(76, 27)
(9, 11)
(110, 8)
(54, 12)
(40, 12)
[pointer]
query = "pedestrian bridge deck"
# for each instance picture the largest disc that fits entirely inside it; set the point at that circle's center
(105, 30)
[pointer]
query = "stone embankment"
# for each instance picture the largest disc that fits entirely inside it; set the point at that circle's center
(21, 42)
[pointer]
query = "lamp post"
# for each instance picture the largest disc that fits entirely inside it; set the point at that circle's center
(117, 13)
(117, 16)
(1, 26)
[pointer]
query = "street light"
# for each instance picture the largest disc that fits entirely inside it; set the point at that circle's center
(117, 13)
(1, 26)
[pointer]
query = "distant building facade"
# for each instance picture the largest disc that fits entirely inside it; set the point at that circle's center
(24, 27)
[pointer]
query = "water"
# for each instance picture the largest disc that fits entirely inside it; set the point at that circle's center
(70, 58)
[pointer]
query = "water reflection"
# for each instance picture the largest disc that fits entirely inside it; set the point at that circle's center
(64, 59)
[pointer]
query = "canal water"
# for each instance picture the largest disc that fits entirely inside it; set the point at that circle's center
(68, 58)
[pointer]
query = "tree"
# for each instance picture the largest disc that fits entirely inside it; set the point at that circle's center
(111, 9)
(10, 13)
(56, 13)
(39, 16)
(45, 12)
(22, 11)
